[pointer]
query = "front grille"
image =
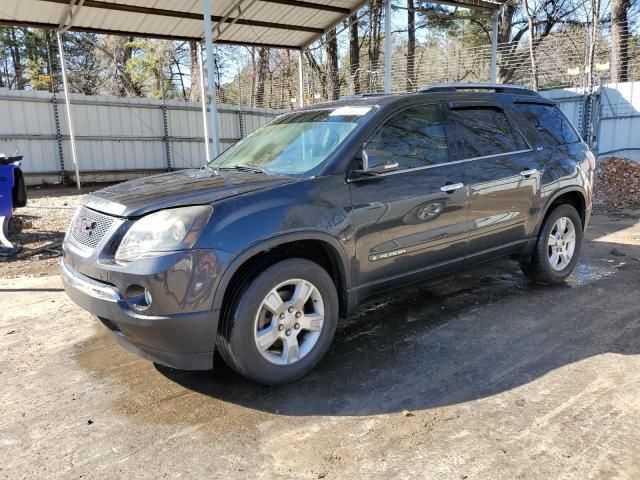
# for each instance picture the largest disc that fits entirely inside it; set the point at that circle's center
(90, 227)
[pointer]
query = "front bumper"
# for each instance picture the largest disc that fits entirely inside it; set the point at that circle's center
(184, 340)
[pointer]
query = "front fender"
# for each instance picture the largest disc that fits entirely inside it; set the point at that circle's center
(273, 242)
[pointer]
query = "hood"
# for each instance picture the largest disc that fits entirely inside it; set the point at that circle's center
(175, 189)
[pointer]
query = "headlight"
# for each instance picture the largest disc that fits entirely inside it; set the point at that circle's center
(163, 231)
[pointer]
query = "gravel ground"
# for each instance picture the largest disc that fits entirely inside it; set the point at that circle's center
(480, 375)
(47, 216)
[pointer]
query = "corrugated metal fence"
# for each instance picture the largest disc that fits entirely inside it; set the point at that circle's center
(610, 117)
(116, 138)
(121, 138)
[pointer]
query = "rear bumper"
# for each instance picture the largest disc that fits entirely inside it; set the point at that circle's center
(184, 341)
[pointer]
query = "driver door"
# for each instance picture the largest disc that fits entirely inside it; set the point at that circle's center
(410, 222)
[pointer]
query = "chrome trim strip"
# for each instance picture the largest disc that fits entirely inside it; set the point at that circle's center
(89, 286)
(444, 164)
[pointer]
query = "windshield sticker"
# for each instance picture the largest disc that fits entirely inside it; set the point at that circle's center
(350, 111)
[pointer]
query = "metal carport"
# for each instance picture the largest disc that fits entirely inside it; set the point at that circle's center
(288, 24)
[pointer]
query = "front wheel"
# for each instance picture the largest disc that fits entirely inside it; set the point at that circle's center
(281, 324)
(557, 248)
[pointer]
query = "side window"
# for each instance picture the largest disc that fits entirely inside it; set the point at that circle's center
(414, 136)
(485, 131)
(549, 121)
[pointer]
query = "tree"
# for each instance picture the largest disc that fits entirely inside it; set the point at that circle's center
(354, 53)
(514, 24)
(595, 22)
(620, 40)
(411, 46)
(151, 67)
(263, 69)
(83, 65)
(375, 36)
(333, 80)
(532, 39)
(194, 66)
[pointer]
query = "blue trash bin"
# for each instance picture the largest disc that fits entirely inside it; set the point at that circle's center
(8, 166)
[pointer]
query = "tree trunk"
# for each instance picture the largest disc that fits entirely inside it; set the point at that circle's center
(354, 53)
(375, 15)
(16, 57)
(595, 22)
(333, 87)
(620, 40)
(505, 71)
(411, 46)
(532, 56)
(263, 67)
(194, 69)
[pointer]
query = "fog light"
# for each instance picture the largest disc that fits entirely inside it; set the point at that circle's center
(147, 297)
(139, 297)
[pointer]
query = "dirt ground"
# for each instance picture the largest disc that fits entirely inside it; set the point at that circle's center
(45, 220)
(499, 379)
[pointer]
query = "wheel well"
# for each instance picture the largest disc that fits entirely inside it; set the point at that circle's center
(573, 198)
(317, 251)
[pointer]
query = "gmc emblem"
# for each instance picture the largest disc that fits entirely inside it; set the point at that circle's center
(85, 227)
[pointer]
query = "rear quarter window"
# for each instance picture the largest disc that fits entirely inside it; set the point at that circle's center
(549, 122)
(485, 131)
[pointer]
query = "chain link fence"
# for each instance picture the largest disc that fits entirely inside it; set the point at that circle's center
(562, 61)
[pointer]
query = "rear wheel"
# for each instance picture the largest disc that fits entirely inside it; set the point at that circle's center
(281, 324)
(557, 248)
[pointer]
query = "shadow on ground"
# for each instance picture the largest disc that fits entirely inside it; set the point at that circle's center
(461, 338)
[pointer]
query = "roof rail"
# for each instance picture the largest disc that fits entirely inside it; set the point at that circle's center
(496, 87)
(355, 96)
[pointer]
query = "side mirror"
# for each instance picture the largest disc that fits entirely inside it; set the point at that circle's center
(376, 162)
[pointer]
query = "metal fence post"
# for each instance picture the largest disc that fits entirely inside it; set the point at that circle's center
(165, 134)
(243, 132)
(56, 111)
(387, 47)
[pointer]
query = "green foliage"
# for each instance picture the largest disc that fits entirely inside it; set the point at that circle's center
(150, 65)
(35, 67)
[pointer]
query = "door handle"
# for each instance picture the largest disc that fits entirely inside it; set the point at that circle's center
(528, 172)
(451, 187)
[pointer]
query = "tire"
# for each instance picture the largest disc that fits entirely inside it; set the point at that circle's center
(541, 268)
(253, 317)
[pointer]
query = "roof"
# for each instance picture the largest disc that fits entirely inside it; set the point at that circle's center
(272, 23)
(445, 91)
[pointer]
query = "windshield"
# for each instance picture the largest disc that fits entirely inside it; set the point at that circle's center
(296, 144)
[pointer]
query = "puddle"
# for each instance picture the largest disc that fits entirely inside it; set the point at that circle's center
(587, 273)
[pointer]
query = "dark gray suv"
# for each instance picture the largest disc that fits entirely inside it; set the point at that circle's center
(260, 252)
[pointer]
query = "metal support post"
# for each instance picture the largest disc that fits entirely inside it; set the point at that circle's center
(72, 137)
(211, 79)
(387, 46)
(203, 101)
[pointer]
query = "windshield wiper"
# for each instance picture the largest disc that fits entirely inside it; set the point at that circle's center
(247, 168)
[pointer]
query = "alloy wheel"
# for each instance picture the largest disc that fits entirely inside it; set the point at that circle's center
(289, 322)
(561, 244)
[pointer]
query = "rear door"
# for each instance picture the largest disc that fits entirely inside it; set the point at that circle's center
(414, 218)
(503, 174)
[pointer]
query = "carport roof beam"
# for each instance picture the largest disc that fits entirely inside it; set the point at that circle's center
(270, 23)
